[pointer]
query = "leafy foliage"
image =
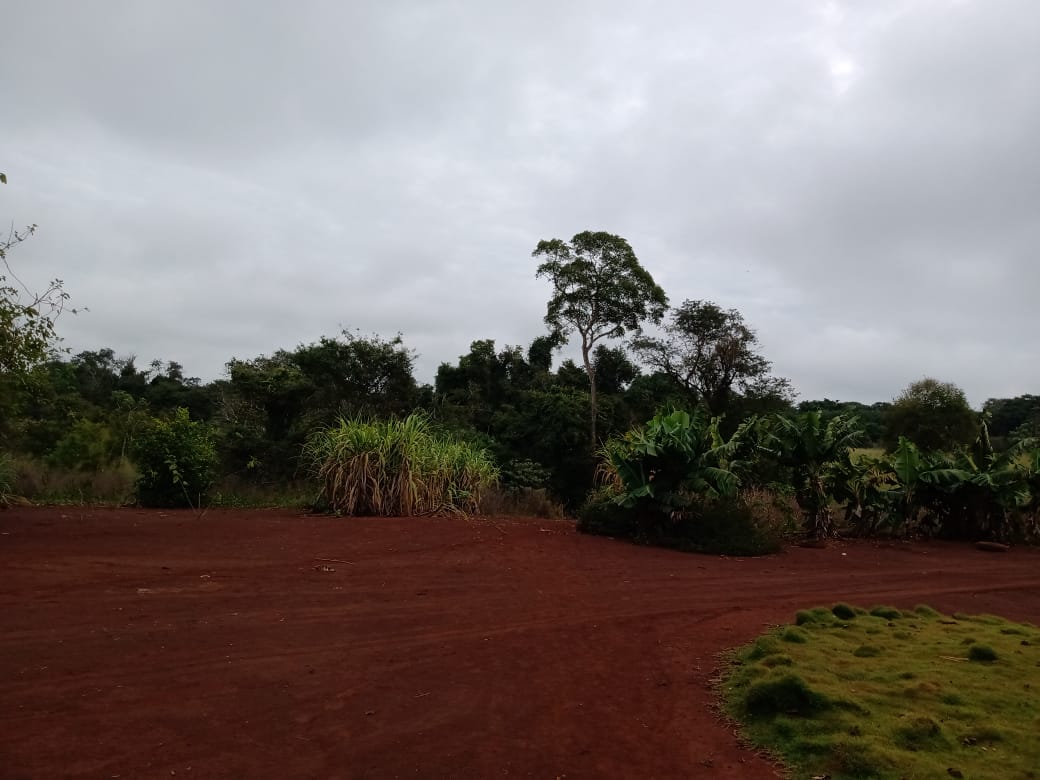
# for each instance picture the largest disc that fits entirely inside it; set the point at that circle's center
(674, 456)
(270, 404)
(812, 449)
(27, 317)
(601, 291)
(177, 462)
(712, 354)
(675, 482)
(933, 415)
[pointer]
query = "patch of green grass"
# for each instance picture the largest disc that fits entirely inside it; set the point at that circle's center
(888, 613)
(795, 635)
(867, 651)
(859, 453)
(863, 702)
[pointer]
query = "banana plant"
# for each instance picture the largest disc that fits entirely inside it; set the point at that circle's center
(672, 458)
(810, 448)
(999, 489)
(922, 482)
(864, 488)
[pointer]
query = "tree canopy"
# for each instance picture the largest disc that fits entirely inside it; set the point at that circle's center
(27, 317)
(713, 355)
(601, 291)
(933, 415)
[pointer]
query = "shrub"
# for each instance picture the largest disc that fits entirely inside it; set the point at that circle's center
(520, 475)
(729, 526)
(602, 515)
(867, 651)
(86, 446)
(176, 460)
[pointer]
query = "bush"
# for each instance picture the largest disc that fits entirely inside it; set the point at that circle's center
(86, 446)
(717, 526)
(603, 516)
(177, 462)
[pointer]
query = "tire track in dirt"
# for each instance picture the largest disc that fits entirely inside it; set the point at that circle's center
(144, 643)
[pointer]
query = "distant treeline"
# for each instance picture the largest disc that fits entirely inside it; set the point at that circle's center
(83, 412)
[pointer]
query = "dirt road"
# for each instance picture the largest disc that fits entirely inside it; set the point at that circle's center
(262, 644)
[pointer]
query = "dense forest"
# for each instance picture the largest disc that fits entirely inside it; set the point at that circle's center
(98, 425)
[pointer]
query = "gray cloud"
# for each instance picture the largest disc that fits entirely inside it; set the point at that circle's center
(216, 180)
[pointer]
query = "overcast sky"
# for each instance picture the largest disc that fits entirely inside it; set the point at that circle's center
(860, 179)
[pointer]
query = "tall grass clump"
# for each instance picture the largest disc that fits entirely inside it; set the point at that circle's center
(397, 467)
(6, 478)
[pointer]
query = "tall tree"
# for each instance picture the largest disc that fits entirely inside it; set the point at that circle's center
(933, 415)
(713, 355)
(27, 317)
(601, 291)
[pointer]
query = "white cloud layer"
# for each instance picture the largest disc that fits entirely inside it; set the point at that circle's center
(860, 180)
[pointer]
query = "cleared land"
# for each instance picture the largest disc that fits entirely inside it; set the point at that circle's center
(147, 644)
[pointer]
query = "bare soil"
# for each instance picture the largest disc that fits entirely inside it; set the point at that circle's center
(263, 644)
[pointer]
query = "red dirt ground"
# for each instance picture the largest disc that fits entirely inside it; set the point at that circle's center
(141, 644)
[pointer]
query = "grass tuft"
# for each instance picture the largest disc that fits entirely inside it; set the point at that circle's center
(794, 635)
(804, 616)
(843, 611)
(787, 695)
(888, 613)
(398, 468)
(921, 733)
(773, 661)
(983, 653)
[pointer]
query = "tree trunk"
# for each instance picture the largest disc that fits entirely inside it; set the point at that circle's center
(592, 412)
(590, 370)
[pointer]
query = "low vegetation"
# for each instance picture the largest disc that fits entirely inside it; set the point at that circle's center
(681, 441)
(6, 478)
(177, 462)
(397, 467)
(891, 694)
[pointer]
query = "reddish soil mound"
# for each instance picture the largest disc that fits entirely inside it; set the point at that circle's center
(266, 645)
